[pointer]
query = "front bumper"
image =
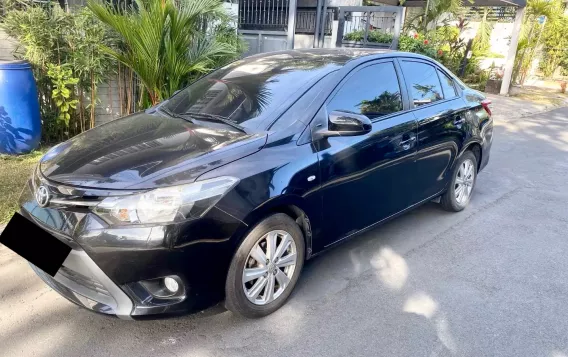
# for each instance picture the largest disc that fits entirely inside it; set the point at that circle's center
(82, 282)
(106, 265)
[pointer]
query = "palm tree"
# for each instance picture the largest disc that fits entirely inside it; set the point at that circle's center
(482, 41)
(433, 9)
(165, 42)
(527, 45)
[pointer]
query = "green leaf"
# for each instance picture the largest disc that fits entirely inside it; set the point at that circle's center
(164, 43)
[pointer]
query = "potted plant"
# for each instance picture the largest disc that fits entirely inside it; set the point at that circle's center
(495, 80)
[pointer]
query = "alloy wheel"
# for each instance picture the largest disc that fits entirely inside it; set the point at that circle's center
(464, 181)
(269, 267)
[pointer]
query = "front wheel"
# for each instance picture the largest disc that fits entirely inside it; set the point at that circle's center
(459, 191)
(266, 267)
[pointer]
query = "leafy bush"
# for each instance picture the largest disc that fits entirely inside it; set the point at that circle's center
(63, 83)
(375, 36)
(165, 42)
(555, 52)
(417, 44)
(70, 45)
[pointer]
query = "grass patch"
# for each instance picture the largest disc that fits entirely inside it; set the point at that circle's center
(14, 172)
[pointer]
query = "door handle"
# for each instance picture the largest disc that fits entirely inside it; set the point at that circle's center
(406, 143)
(459, 120)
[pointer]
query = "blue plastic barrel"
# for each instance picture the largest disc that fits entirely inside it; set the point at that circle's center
(20, 124)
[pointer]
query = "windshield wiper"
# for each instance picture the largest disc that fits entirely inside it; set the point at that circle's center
(203, 116)
(174, 115)
(216, 118)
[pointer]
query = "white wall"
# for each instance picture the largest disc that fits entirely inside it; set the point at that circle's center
(499, 41)
(108, 107)
(306, 41)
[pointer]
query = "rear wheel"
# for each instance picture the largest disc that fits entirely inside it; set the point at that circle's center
(461, 187)
(266, 267)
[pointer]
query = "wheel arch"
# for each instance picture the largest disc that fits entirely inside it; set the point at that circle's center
(293, 206)
(477, 150)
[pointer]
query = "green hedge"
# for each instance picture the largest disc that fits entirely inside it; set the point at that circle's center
(375, 36)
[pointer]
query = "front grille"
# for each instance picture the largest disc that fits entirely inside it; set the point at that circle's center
(83, 280)
(80, 279)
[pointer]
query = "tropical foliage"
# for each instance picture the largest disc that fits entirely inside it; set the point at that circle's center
(64, 50)
(417, 43)
(430, 17)
(481, 42)
(63, 81)
(376, 36)
(444, 40)
(551, 33)
(164, 41)
(555, 42)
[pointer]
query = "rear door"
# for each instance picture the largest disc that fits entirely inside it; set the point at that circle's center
(442, 128)
(369, 177)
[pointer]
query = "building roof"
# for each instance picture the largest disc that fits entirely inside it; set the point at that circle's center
(475, 3)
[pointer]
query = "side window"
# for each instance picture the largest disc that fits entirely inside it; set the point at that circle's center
(425, 86)
(372, 91)
(447, 85)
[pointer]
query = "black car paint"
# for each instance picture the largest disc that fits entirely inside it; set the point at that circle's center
(273, 167)
(145, 151)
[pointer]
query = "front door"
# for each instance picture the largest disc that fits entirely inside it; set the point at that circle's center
(442, 125)
(366, 178)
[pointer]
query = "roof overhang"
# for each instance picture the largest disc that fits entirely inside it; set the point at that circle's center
(473, 3)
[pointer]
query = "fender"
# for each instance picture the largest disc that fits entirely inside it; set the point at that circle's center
(293, 205)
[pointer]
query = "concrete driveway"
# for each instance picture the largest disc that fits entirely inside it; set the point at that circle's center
(489, 281)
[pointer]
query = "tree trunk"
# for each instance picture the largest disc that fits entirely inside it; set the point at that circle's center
(110, 99)
(92, 99)
(129, 95)
(81, 111)
(120, 92)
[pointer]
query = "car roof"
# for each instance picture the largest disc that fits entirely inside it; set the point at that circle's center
(337, 56)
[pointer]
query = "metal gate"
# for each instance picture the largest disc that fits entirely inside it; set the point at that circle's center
(369, 26)
(267, 25)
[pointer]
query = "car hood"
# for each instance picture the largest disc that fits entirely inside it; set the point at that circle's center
(145, 151)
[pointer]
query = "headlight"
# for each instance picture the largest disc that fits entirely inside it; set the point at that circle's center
(168, 204)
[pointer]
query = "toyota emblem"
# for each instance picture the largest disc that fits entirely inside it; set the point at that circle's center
(42, 196)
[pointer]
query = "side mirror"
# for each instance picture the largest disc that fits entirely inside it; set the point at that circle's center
(347, 124)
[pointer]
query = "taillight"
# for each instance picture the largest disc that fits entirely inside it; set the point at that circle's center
(485, 103)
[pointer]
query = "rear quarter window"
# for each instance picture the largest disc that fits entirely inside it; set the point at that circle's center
(423, 83)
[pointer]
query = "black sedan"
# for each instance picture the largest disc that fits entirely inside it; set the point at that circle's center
(227, 188)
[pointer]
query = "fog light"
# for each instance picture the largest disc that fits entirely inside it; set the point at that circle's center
(171, 284)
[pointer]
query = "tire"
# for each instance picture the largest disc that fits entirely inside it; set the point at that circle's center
(449, 201)
(251, 306)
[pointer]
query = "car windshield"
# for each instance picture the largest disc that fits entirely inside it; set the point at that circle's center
(246, 91)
